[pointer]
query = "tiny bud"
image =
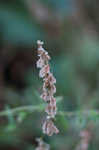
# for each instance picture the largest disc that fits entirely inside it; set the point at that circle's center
(40, 42)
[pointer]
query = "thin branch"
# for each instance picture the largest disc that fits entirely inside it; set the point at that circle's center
(79, 112)
(23, 109)
(40, 108)
(29, 108)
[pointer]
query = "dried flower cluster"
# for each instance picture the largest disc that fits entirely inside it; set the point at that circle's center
(85, 139)
(42, 145)
(49, 89)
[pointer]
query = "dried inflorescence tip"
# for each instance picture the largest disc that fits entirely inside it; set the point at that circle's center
(49, 89)
(49, 128)
(85, 137)
(42, 145)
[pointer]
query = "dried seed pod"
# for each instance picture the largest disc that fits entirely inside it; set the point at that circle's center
(49, 128)
(45, 96)
(44, 70)
(40, 63)
(51, 110)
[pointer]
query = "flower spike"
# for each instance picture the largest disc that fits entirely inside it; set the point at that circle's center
(49, 90)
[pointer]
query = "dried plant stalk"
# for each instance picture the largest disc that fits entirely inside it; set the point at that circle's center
(49, 90)
(85, 139)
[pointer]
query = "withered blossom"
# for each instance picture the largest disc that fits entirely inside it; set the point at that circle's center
(50, 78)
(40, 63)
(42, 145)
(53, 101)
(40, 43)
(45, 96)
(51, 110)
(49, 89)
(85, 137)
(44, 70)
(49, 128)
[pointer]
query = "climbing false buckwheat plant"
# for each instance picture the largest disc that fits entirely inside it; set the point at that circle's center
(49, 90)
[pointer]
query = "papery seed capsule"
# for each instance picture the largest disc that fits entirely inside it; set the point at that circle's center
(51, 78)
(51, 110)
(45, 97)
(49, 128)
(40, 63)
(44, 71)
(52, 90)
(45, 56)
(53, 101)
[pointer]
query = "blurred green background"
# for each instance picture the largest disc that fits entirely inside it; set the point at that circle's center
(70, 31)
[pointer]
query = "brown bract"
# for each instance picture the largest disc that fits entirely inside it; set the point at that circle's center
(49, 128)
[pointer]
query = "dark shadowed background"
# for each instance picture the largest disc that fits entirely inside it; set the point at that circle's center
(70, 31)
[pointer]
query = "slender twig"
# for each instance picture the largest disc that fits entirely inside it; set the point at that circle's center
(82, 112)
(29, 108)
(22, 109)
(40, 108)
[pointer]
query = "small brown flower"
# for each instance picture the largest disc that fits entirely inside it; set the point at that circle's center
(51, 110)
(45, 96)
(45, 56)
(40, 63)
(49, 128)
(53, 101)
(44, 71)
(52, 90)
(51, 79)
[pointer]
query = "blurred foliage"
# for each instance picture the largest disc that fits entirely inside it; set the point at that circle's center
(69, 29)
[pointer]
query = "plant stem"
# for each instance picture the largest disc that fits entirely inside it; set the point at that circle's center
(40, 108)
(22, 109)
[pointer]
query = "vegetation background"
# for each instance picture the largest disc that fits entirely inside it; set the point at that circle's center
(70, 31)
